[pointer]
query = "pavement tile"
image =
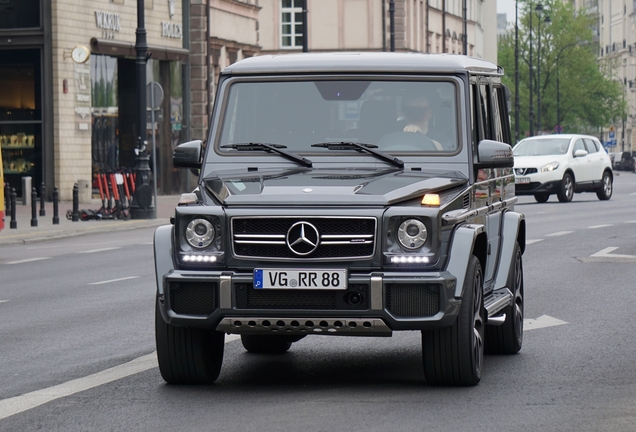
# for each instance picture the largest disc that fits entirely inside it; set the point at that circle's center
(46, 230)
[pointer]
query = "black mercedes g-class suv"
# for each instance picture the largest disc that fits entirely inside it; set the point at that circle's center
(348, 194)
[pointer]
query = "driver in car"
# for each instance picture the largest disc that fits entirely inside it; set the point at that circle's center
(418, 112)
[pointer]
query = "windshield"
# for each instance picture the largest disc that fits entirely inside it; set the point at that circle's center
(542, 147)
(397, 116)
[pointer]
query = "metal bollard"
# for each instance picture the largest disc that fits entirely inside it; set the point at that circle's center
(34, 207)
(42, 195)
(56, 209)
(75, 217)
(7, 198)
(14, 223)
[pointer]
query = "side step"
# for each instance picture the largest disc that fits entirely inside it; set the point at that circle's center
(495, 303)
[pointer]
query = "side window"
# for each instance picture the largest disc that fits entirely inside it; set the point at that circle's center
(500, 115)
(497, 128)
(578, 145)
(592, 147)
(486, 109)
(475, 116)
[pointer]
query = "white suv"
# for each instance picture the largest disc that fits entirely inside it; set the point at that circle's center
(562, 165)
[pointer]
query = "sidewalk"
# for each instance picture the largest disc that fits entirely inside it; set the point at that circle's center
(45, 230)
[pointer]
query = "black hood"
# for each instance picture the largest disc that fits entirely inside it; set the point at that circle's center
(327, 186)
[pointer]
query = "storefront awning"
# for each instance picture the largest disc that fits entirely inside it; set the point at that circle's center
(127, 49)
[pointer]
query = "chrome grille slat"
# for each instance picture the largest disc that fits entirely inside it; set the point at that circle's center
(341, 237)
(259, 242)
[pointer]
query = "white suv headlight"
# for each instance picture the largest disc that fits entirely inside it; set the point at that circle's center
(412, 234)
(200, 233)
(550, 167)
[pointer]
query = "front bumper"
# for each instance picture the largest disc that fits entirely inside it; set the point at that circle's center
(535, 187)
(374, 304)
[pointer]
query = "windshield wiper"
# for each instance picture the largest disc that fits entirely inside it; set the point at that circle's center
(361, 147)
(275, 148)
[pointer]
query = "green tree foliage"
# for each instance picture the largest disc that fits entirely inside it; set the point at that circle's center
(589, 94)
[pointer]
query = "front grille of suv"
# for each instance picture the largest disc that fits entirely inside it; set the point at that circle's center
(525, 171)
(340, 238)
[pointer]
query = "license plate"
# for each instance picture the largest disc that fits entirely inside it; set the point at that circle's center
(333, 279)
(522, 180)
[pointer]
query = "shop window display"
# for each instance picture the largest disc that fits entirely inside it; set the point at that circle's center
(20, 116)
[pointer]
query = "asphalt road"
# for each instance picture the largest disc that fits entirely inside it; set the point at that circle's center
(77, 346)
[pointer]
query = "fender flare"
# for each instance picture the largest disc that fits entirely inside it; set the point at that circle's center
(513, 230)
(464, 240)
(163, 250)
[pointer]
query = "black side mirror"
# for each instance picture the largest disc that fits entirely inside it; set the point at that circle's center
(188, 155)
(494, 154)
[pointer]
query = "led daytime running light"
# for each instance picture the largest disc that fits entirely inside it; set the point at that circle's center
(409, 259)
(199, 258)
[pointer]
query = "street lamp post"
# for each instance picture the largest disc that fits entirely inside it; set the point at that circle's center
(142, 206)
(392, 25)
(517, 104)
(539, 9)
(530, 72)
(559, 129)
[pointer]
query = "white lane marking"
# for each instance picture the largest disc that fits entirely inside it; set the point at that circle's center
(28, 260)
(113, 280)
(3, 301)
(599, 226)
(98, 250)
(529, 242)
(606, 253)
(558, 234)
(27, 401)
(149, 243)
(634, 221)
(541, 322)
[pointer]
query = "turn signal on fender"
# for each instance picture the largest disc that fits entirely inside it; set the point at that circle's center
(431, 200)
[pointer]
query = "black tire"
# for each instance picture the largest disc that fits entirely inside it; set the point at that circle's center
(265, 344)
(508, 337)
(607, 187)
(188, 355)
(541, 197)
(566, 192)
(453, 356)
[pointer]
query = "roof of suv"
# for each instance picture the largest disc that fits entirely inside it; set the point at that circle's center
(342, 62)
(564, 136)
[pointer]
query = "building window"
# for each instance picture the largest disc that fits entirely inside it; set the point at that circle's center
(19, 14)
(291, 24)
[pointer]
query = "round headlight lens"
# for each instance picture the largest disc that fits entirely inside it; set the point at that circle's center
(200, 233)
(412, 234)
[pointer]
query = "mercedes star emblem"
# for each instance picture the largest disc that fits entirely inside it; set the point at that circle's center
(303, 238)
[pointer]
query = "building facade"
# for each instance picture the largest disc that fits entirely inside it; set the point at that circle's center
(432, 26)
(68, 106)
(68, 89)
(617, 56)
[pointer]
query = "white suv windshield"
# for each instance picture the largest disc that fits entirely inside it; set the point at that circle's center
(542, 147)
(395, 116)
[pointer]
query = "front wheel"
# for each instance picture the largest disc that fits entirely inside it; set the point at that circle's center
(605, 191)
(566, 192)
(188, 355)
(541, 197)
(453, 356)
